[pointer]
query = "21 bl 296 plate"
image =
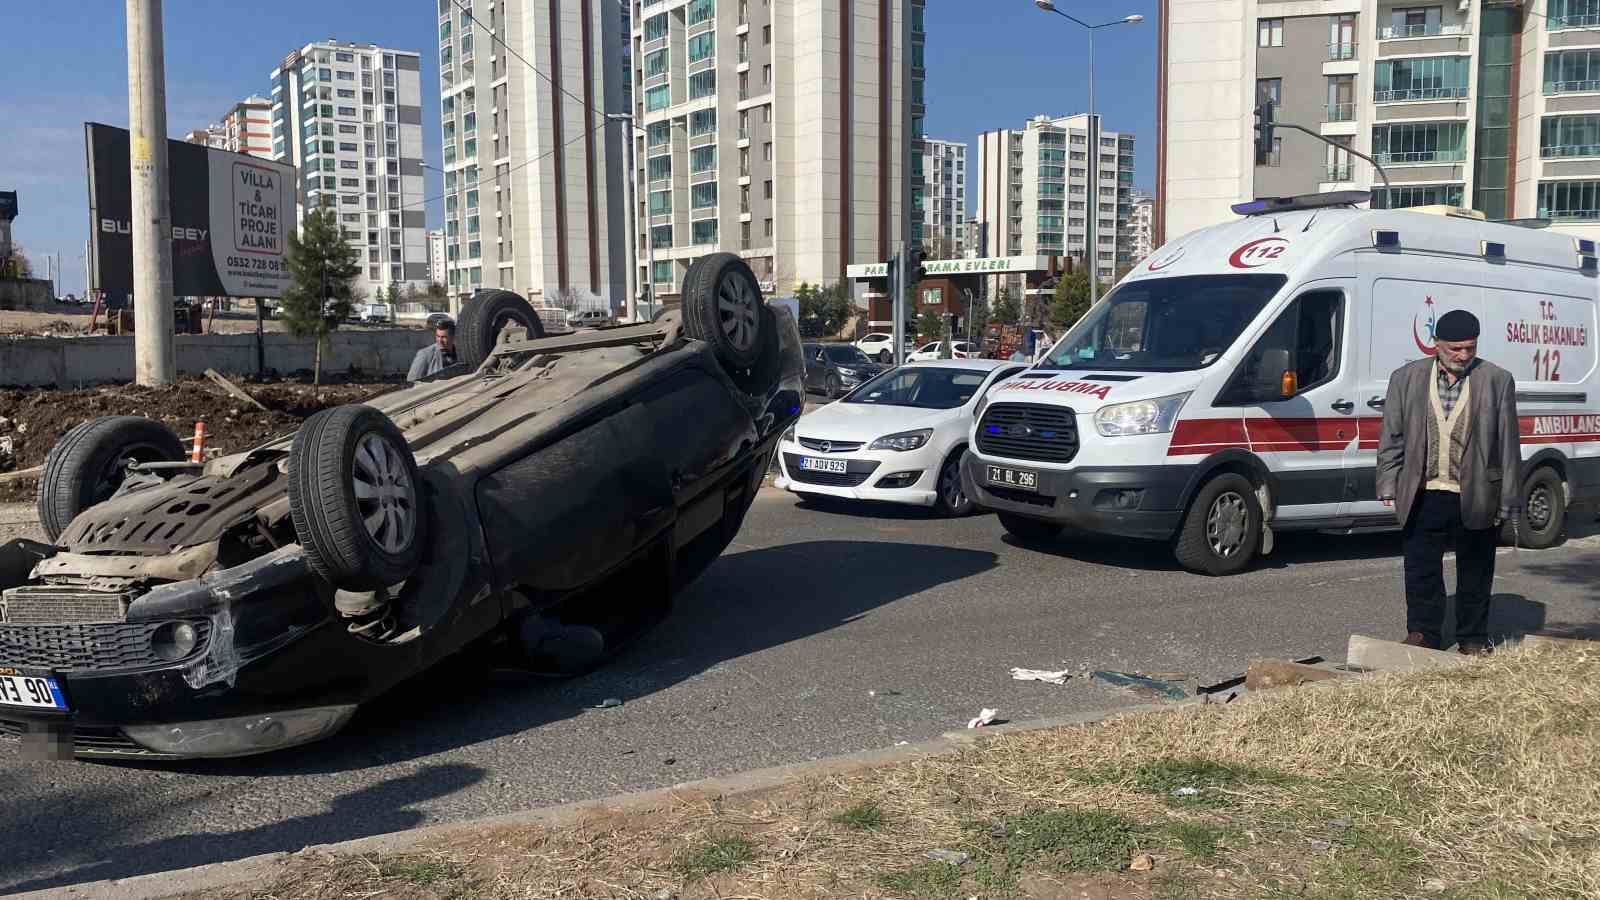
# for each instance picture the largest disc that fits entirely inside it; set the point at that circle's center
(1021, 479)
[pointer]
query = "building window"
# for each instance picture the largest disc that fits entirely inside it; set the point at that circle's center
(767, 226)
(703, 159)
(1420, 142)
(655, 63)
(744, 198)
(663, 272)
(659, 97)
(704, 232)
(702, 84)
(766, 75)
(701, 46)
(1416, 21)
(660, 167)
(658, 133)
(1269, 32)
(766, 151)
(1427, 78)
(1342, 37)
(1572, 14)
(701, 10)
(655, 27)
(744, 85)
(1569, 200)
(660, 202)
(661, 235)
(1269, 89)
(702, 122)
(703, 196)
(744, 235)
(1562, 136)
(766, 189)
(1417, 195)
(744, 48)
(1571, 71)
(1274, 160)
(766, 34)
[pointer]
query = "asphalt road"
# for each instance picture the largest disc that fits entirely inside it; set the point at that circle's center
(771, 657)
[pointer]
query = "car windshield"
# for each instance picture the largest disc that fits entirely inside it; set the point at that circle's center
(847, 355)
(923, 388)
(1165, 324)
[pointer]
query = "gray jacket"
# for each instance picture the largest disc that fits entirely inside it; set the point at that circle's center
(428, 360)
(1491, 467)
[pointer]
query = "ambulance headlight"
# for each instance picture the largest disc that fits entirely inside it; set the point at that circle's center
(1139, 417)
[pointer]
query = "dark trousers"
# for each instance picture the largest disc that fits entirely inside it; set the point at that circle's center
(1434, 522)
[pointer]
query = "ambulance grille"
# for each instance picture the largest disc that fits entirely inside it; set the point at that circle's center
(1029, 431)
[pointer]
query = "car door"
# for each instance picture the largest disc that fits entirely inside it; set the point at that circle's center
(1296, 392)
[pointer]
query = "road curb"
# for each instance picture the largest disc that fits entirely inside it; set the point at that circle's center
(266, 867)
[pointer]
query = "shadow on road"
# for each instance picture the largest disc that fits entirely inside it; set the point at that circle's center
(1294, 548)
(864, 509)
(381, 808)
(746, 602)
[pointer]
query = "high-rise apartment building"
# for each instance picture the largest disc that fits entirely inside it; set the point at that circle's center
(247, 128)
(1142, 227)
(436, 259)
(787, 133)
(1470, 104)
(1034, 192)
(972, 229)
(213, 136)
(535, 176)
(944, 198)
(349, 117)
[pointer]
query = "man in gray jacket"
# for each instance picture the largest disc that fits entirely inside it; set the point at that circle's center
(438, 355)
(1449, 461)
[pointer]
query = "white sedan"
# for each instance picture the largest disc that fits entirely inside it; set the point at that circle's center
(898, 438)
(960, 350)
(880, 346)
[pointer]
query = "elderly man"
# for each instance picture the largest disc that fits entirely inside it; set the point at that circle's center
(1449, 461)
(437, 355)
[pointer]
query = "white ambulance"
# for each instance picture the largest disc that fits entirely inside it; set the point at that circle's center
(1232, 385)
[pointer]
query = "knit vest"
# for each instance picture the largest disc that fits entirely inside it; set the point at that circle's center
(1444, 457)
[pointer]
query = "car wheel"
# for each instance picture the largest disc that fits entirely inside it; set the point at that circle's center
(485, 316)
(86, 466)
(835, 386)
(722, 306)
(953, 500)
(1222, 529)
(885, 357)
(355, 498)
(1544, 511)
(1030, 530)
(761, 378)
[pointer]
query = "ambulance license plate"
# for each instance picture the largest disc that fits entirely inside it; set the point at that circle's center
(1021, 479)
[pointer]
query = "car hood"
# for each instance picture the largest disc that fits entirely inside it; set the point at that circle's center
(1087, 390)
(867, 422)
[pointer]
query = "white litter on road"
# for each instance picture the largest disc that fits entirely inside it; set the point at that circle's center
(985, 717)
(1041, 675)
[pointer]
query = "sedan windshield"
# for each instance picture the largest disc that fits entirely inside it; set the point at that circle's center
(923, 388)
(1165, 324)
(846, 355)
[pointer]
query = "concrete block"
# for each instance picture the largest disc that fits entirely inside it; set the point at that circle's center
(1392, 656)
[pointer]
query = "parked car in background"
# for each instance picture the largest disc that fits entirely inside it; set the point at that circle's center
(899, 437)
(835, 369)
(375, 313)
(880, 346)
(589, 318)
(961, 350)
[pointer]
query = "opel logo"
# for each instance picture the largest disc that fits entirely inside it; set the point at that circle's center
(825, 446)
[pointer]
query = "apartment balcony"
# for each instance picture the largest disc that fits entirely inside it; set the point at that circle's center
(1440, 93)
(1341, 51)
(1569, 151)
(1420, 157)
(1553, 88)
(1341, 112)
(1556, 23)
(1436, 29)
(1338, 173)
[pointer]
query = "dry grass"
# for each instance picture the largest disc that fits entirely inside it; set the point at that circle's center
(1481, 782)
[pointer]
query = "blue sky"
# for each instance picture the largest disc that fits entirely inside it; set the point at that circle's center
(991, 64)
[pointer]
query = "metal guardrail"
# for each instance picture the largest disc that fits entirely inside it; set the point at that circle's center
(1342, 112)
(1449, 93)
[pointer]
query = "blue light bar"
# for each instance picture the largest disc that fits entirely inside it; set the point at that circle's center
(1304, 201)
(1494, 250)
(1585, 246)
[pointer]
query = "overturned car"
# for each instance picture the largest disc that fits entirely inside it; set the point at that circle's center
(548, 495)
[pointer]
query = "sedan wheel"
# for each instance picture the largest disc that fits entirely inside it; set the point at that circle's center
(953, 501)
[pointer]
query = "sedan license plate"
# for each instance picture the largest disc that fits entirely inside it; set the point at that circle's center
(31, 691)
(1014, 478)
(836, 466)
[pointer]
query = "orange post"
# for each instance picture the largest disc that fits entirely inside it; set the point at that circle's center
(198, 453)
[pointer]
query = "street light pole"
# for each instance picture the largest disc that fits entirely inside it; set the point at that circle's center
(646, 287)
(154, 357)
(1092, 249)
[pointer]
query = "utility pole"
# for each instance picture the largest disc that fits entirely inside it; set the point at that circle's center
(154, 360)
(899, 304)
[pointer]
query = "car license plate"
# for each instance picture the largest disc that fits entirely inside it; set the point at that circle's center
(30, 691)
(1014, 478)
(836, 466)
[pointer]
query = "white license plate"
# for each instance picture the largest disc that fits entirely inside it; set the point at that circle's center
(1015, 478)
(33, 692)
(836, 466)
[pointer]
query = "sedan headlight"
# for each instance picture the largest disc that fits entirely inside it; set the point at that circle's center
(850, 372)
(905, 440)
(1139, 417)
(788, 436)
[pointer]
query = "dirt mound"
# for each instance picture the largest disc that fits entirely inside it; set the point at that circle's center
(35, 418)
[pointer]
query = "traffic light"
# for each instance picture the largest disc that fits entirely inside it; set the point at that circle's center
(915, 270)
(894, 278)
(1264, 122)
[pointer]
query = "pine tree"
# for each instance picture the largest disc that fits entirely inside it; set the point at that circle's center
(323, 269)
(1071, 299)
(1006, 310)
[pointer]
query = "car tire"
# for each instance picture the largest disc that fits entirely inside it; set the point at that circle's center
(1544, 511)
(953, 501)
(332, 452)
(835, 386)
(885, 357)
(1221, 532)
(722, 306)
(485, 316)
(761, 378)
(1029, 530)
(85, 467)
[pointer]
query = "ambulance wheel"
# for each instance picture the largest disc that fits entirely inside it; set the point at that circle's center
(1029, 530)
(1544, 511)
(1222, 529)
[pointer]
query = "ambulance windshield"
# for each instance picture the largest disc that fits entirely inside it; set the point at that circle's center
(1165, 324)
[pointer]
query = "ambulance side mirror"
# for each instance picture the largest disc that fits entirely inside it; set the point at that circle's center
(1277, 377)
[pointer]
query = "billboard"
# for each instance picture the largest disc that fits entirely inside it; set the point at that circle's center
(231, 217)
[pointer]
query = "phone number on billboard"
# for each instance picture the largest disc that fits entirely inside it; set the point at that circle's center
(260, 265)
